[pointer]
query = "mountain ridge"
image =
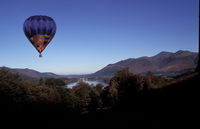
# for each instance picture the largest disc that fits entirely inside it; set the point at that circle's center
(164, 63)
(31, 73)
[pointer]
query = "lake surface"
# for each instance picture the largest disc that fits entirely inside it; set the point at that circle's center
(70, 85)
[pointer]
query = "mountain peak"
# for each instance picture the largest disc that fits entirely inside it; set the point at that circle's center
(183, 51)
(163, 53)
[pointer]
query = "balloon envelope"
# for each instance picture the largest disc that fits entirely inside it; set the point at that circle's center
(40, 30)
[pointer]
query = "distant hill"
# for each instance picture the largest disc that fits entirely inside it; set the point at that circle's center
(31, 73)
(165, 63)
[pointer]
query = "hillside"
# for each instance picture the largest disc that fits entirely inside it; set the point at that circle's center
(31, 73)
(165, 63)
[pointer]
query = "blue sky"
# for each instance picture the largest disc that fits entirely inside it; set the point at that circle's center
(94, 33)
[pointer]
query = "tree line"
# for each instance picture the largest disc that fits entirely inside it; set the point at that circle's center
(82, 98)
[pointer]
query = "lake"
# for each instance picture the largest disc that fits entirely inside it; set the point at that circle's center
(70, 85)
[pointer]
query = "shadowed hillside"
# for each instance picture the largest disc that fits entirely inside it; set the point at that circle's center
(164, 63)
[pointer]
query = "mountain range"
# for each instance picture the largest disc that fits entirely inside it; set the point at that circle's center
(164, 63)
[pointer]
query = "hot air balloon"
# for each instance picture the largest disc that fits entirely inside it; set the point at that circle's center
(39, 30)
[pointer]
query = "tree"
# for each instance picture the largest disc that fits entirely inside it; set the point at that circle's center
(148, 81)
(68, 98)
(82, 91)
(11, 87)
(41, 81)
(98, 88)
(151, 81)
(7, 76)
(124, 86)
(54, 82)
(96, 101)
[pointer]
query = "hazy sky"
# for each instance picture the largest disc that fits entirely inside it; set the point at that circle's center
(94, 33)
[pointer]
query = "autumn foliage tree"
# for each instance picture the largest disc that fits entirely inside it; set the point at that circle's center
(124, 86)
(88, 96)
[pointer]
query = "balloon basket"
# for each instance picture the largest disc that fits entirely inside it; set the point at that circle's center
(40, 55)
